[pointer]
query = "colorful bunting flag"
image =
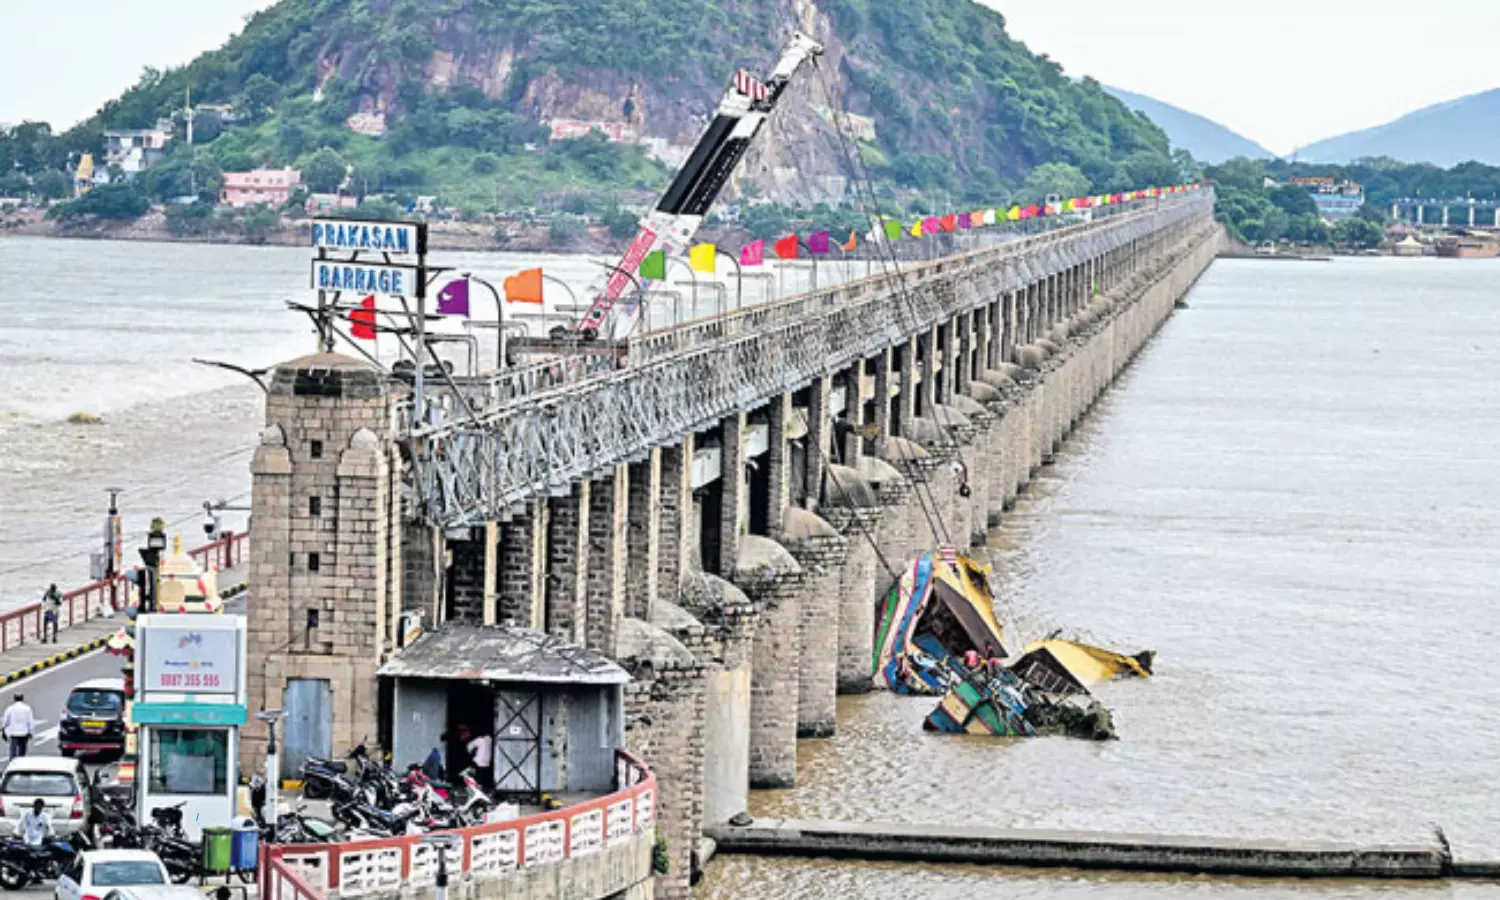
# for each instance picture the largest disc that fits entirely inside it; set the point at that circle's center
(453, 299)
(916, 228)
(654, 266)
(754, 254)
(849, 245)
(930, 225)
(1014, 215)
(893, 230)
(362, 320)
(949, 222)
(963, 221)
(703, 258)
(524, 287)
(818, 243)
(991, 216)
(786, 248)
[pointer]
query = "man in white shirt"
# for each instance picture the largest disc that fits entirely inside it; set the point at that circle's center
(481, 752)
(36, 825)
(17, 724)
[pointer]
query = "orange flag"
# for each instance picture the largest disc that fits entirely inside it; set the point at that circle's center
(524, 287)
(849, 244)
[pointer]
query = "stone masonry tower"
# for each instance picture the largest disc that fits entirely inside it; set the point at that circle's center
(320, 591)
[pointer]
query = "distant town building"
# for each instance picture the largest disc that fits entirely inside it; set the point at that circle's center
(568, 129)
(368, 124)
(1336, 200)
(322, 203)
(272, 187)
(226, 112)
(136, 150)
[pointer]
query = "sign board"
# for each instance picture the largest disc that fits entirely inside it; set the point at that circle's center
(184, 659)
(188, 714)
(365, 278)
(355, 236)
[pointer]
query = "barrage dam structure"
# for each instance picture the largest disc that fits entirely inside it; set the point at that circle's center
(675, 550)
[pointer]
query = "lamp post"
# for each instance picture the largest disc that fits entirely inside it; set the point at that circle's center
(273, 774)
(156, 542)
(739, 277)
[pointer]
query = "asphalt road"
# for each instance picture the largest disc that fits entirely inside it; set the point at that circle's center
(48, 690)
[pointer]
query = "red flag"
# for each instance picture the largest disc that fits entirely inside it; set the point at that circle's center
(786, 248)
(949, 222)
(362, 320)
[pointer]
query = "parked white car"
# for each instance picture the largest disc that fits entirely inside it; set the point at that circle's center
(60, 783)
(156, 892)
(98, 872)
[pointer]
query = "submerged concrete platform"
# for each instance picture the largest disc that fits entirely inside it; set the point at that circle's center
(1084, 849)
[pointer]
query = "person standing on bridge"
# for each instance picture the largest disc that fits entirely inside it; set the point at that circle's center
(51, 604)
(17, 724)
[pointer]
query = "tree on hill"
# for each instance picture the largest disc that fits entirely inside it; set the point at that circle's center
(325, 171)
(259, 96)
(1058, 178)
(14, 184)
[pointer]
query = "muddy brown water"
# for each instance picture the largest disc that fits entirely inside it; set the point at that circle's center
(1292, 498)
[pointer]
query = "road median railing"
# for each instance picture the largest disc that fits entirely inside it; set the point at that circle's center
(385, 867)
(23, 625)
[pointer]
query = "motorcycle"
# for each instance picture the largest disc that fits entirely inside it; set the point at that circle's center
(23, 864)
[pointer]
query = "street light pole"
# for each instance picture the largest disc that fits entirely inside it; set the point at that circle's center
(273, 773)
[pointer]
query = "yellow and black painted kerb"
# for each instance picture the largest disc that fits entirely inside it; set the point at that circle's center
(42, 665)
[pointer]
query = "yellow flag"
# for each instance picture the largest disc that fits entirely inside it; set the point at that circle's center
(1070, 205)
(916, 228)
(1015, 214)
(702, 258)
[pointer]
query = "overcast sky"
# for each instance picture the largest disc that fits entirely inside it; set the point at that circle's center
(1281, 72)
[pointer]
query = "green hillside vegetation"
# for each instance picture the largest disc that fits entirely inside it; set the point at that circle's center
(963, 112)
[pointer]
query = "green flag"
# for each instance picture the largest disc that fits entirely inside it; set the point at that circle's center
(893, 230)
(654, 266)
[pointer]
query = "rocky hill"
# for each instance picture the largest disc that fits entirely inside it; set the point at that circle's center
(947, 107)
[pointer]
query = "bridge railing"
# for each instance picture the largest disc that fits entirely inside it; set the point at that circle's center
(687, 378)
(364, 868)
(107, 596)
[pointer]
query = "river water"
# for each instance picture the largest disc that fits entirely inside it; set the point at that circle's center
(1291, 497)
(110, 330)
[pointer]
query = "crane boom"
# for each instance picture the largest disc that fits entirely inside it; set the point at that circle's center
(677, 216)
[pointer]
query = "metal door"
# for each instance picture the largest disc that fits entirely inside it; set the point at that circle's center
(421, 717)
(518, 743)
(591, 747)
(309, 723)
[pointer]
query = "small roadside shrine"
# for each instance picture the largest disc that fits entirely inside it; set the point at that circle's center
(555, 710)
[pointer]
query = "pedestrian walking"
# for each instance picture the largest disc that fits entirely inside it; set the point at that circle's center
(51, 605)
(17, 724)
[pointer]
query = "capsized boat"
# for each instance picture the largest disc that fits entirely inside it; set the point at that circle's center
(1002, 704)
(1062, 666)
(936, 612)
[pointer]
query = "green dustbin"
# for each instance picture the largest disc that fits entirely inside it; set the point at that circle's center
(217, 843)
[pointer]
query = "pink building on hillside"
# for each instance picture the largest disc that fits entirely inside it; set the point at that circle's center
(272, 187)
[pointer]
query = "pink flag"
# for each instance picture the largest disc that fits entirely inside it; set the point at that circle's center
(753, 254)
(930, 225)
(817, 242)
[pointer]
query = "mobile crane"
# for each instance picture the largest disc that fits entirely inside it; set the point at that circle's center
(671, 225)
